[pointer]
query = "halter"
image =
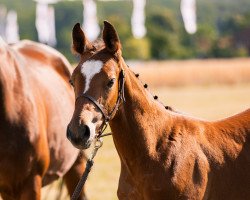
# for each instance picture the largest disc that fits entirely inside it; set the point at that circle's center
(108, 116)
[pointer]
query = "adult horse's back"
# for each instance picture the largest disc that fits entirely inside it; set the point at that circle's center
(36, 104)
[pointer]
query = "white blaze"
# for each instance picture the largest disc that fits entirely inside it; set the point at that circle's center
(90, 22)
(188, 11)
(89, 69)
(138, 18)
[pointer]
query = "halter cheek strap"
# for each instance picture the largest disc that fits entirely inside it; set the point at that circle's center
(96, 104)
(120, 99)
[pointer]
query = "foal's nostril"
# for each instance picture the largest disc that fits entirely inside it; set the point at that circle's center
(85, 130)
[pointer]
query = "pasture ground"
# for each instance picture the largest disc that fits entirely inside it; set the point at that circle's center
(209, 89)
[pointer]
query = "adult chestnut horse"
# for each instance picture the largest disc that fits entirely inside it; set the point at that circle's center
(164, 154)
(36, 104)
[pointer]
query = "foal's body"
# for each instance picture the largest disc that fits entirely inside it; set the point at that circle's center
(166, 155)
(36, 102)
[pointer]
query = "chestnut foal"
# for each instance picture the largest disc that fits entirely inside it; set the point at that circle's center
(164, 154)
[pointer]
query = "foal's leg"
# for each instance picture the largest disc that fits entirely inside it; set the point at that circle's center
(126, 189)
(32, 188)
(74, 174)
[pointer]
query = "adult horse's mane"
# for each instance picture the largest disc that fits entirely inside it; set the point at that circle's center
(45, 54)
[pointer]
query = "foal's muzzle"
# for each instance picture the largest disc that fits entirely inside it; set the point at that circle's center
(81, 139)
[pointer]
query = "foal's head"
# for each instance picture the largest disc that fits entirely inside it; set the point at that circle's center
(97, 82)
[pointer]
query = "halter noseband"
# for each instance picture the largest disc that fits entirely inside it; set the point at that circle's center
(108, 116)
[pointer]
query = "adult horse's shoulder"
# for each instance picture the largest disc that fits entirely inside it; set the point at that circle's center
(46, 55)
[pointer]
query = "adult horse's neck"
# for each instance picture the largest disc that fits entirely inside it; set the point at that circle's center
(11, 83)
(138, 123)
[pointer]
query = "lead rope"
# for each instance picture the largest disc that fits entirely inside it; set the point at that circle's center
(97, 145)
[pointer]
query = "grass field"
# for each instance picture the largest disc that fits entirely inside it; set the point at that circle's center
(177, 73)
(210, 89)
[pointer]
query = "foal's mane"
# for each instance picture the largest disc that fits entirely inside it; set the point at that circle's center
(98, 44)
(155, 97)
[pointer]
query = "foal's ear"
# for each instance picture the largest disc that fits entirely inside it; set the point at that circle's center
(110, 38)
(80, 42)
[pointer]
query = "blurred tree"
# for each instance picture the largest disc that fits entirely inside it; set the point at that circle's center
(163, 33)
(26, 19)
(234, 37)
(136, 49)
(241, 34)
(223, 27)
(67, 14)
(204, 39)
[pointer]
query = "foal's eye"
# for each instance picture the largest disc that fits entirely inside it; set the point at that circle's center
(111, 82)
(71, 83)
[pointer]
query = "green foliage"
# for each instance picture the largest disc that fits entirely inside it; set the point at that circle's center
(223, 27)
(136, 49)
(162, 29)
(204, 40)
(234, 37)
(67, 14)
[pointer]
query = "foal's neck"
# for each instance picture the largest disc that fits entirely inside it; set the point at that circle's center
(139, 121)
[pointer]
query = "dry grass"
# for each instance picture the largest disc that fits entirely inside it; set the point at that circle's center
(194, 72)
